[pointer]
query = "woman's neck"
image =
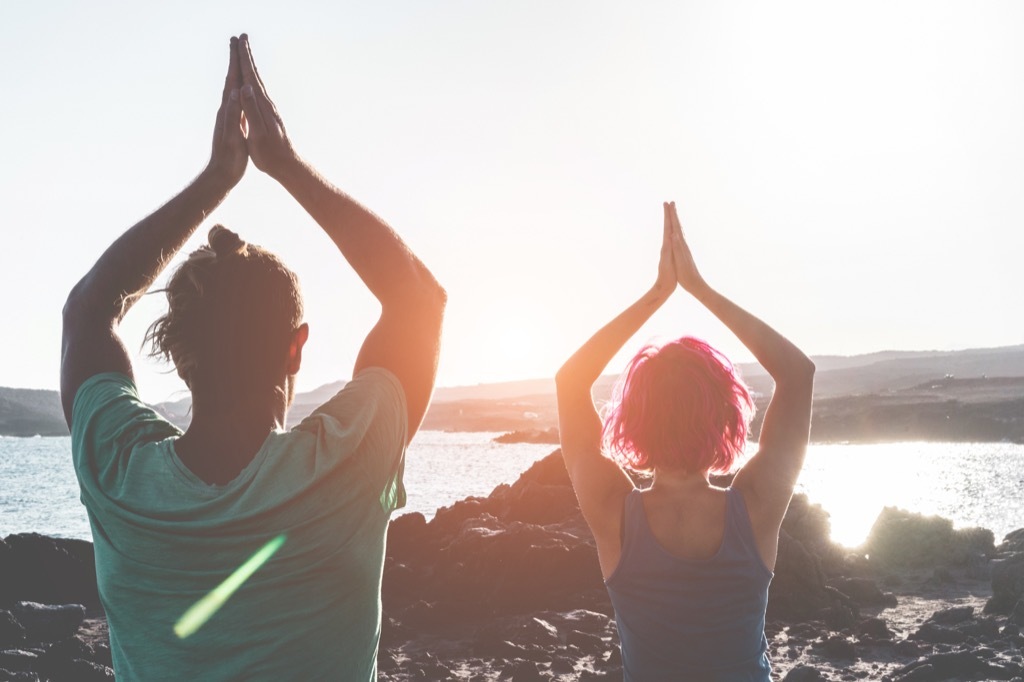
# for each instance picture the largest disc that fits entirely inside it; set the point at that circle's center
(674, 481)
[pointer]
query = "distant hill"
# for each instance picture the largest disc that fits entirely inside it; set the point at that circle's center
(879, 385)
(30, 412)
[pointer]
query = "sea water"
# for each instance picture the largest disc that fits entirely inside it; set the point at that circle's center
(973, 484)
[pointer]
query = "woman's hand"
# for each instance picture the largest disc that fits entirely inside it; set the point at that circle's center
(686, 272)
(666, 282)
(229, 156)
(268, 143)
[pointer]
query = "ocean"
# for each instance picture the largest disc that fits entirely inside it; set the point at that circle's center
(973, 484)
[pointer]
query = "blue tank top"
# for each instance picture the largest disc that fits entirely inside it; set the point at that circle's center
(691, 619)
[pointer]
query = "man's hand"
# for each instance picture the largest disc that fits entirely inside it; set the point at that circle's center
(229, 156)
(269, 147)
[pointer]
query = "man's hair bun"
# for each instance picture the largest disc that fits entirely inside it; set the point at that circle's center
(226, 243)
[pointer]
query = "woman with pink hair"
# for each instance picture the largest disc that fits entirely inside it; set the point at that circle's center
(687, 564)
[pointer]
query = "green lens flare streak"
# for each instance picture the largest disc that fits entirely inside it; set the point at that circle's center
(203, 610)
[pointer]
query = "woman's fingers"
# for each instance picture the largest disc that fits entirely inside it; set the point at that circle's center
(677, 226)
(666, 238)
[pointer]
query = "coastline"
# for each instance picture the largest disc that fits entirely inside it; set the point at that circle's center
(507, 586)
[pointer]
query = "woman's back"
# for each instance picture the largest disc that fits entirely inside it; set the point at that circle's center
(684, 612)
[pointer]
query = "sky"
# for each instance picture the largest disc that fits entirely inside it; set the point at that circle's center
(850, 172)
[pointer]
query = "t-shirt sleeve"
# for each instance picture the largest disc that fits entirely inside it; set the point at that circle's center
(368, 417)
(108, 420)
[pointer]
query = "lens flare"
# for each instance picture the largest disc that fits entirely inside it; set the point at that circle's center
(200, 612)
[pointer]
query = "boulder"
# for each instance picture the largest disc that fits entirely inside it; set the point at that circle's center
(803, 673)
(47, 570)
(945, 666)
(11, 631)
(45, 623)
(526, 546)
(1007, 574)
(798, 590)
(863, 591)
(952, 615)
(811, 525)
(902, 538)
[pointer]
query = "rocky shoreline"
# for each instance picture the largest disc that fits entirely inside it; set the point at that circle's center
(507, 587)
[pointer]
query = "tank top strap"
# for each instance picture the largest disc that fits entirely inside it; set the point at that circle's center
(739, 532)
(634, 520)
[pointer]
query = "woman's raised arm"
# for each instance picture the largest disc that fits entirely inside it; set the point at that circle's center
(767, 480)
(600, 485)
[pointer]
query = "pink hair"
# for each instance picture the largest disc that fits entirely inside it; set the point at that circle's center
(678, 406)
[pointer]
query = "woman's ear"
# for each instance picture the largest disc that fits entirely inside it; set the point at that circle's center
(299, 337)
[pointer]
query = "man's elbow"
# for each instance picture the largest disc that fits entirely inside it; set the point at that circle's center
(438, 296)
(74, 304)
(431, 299)
(83, 302)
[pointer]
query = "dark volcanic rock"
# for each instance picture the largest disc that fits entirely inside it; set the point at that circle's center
(1016, 616)
(18, 660)
(863, 591)
(875, 628)
(810, 524)
(1007, 574)
(523, 548)
(952, 615)
(526, 547)
(47, 570)
(945, 666)
(798, 589)
(903, 538)
(11, 631)
(538, 436)
(44, 623)
(803, 673)
(939, 634)
(79, 670)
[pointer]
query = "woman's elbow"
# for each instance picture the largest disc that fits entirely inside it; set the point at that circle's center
(802, 373)
(567, 380)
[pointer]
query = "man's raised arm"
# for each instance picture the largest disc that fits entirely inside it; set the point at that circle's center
(128, 267)
(406, 340)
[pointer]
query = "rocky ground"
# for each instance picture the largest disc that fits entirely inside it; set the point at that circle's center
(507, 587)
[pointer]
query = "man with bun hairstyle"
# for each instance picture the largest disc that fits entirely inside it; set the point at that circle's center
(173, 514)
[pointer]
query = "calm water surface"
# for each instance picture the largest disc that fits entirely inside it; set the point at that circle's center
(972, 484)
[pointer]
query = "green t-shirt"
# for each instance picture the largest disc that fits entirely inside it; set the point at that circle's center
(164, 538)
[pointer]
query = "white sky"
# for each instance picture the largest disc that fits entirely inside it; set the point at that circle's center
(851, 172)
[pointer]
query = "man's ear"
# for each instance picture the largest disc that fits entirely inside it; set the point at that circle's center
(299, 337)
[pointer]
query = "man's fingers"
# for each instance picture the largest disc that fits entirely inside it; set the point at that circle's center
(251, 76)
(232, 124)
(249, 73)
(234, 79)
(245, 60)
(252, 111)
(252, 62)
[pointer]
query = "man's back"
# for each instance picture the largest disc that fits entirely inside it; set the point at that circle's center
(164, 538)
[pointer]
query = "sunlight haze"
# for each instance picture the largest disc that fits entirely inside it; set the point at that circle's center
(851, 172)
